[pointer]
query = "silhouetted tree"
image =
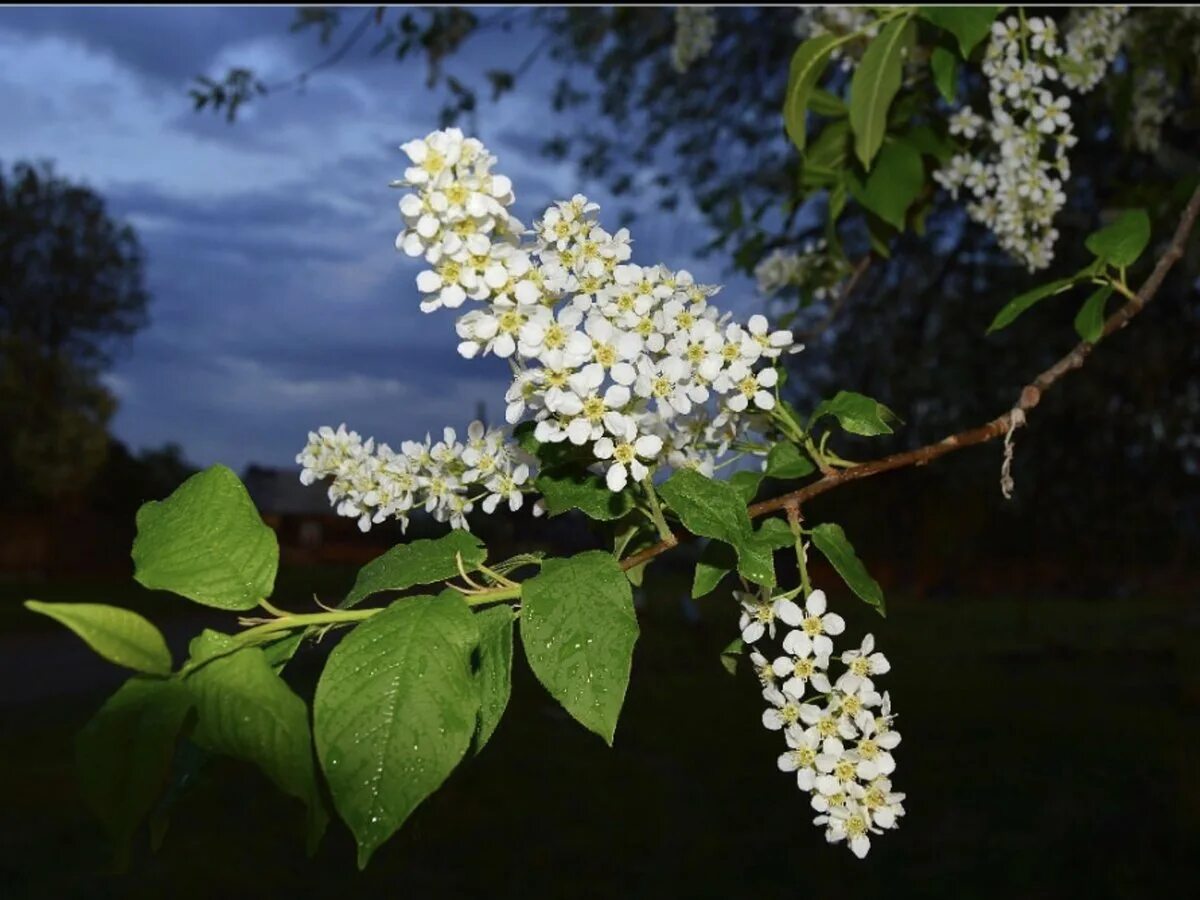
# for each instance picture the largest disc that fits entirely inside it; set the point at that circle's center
(70, 287)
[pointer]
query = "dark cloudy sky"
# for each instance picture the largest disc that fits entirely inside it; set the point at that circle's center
(279, 300)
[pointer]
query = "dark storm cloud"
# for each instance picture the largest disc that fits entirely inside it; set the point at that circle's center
(280, 303)
(166, 44)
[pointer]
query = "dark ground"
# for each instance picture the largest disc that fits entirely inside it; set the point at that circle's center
(1049, 751)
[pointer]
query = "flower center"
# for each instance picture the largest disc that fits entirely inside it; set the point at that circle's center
(511, 321)
(624, 453)
(593, 409)
(434, 162)
(856, 826)
(812, 626)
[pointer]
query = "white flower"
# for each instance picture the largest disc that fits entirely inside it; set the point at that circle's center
(585, 414)
(873, 752)
(814, 624)
(506, 486)
(882, 804)
(802, 757)
(758, 615)
(783, 713)
(743, 386)
(799, 670)
(850, 823)
(771, 343)
(861, 664)
(625, 455)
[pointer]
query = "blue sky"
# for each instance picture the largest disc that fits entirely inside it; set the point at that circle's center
(279, 300)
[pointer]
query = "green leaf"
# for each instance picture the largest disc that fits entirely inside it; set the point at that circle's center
(119, 635)
(826, 155)
(716, 561)
(1122, 242)
(785, 461)
(776, 534)
(944, 65)
(825, 103)
(714, 509)
(894, 182)
(1011, 310)
(493, 669)
(279, 653)
(805, 70)
(857, 414)
(732, 654)
(874, 84)
(831, 541)
(1089, 321)
(565, 489)
(746, 483)
(634, 538)
(395, 710)
(245, 710)
(969, 24)
(123, 755)
(578, 628)
(418, 562)
(930, 143)
(207, 542)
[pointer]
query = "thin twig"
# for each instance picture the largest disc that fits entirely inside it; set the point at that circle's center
(1030, 396)
(333, 59)
(839, 301)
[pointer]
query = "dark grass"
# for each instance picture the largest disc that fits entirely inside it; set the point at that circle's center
(1049, 751)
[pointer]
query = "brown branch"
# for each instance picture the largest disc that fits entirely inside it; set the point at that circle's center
(1030, 396)
(856, 274)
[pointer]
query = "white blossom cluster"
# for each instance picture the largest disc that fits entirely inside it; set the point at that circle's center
(694, 30)
(839, 733)
(372, 482)
(1016, 179)
(1093, 38)
(1150, 107)
(631, 364)
(813, 21)
(810, 268)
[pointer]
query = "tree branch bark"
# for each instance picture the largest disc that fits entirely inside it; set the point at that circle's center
(848, 288)
(1030, 396)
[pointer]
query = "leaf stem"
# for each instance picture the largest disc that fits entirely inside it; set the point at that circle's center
(272, 609)
(793, 514)
(1121, 288)
(303, 620)
(656, 513)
